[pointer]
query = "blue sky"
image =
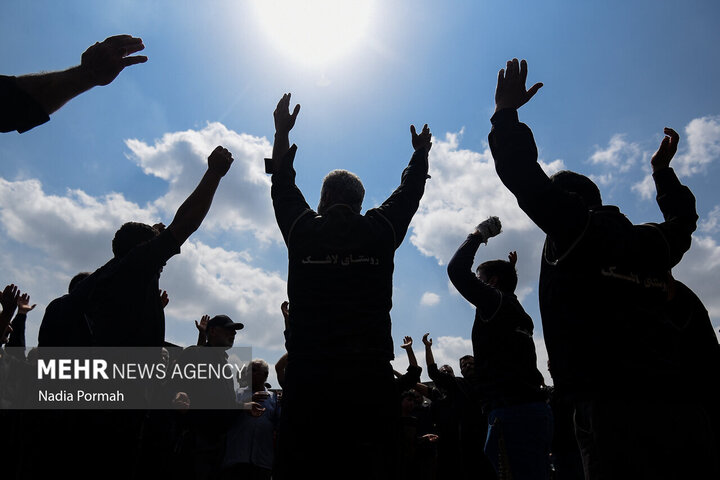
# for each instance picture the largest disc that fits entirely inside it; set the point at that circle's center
(615, 74)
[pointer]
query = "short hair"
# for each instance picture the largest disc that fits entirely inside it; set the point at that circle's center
(262, 364)
(341, 186)
(129, 236)
(580, 185)
(466, 357)
(77, 279)
(503, 270)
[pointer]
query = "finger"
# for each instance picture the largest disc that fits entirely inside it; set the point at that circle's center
(672, 134)
(533, 90)
(132, 48)
(523, 71)
(501, 76)
(412, 130)
(516, 66)
(296, 111)
(127, 61)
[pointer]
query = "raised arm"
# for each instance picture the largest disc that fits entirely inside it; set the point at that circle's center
(192, 212)
(559, 214)
(17, 337)
(8, 300)
(407, 346)
(676, 201)
(288, 201)
(429, 359)
(483, 296)
(400, 207)
(99, 65)
(202, 330)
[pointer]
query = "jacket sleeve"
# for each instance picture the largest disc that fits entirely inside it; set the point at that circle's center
(18, 110)
(288, 201)
(485, 298)
(400, 207)
(561, 215)
(677, 204)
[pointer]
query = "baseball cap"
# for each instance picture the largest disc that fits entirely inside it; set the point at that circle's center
(224, 321)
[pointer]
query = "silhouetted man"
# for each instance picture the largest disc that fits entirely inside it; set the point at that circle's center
(29, 100)
(602, 289)
(340, 289)
(510, 387)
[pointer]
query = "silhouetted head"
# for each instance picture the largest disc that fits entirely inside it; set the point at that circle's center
(341, 187)
(77, 279)
(130, 236)
(260, 372)
(580, 185)
(500, 274)
(221, 331)
(467, 366)
(447, 369)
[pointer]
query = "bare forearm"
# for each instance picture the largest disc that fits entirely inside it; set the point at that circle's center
(52, 90)
(429, 359)
(411, 357)
(192, 212)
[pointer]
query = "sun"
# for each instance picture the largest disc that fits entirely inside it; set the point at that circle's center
(314, 32)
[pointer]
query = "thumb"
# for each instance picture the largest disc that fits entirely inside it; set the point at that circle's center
(533, 90)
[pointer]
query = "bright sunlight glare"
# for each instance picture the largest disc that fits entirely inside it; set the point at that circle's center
(315, 32)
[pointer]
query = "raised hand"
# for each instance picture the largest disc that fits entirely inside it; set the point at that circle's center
(23, 304)
(164, 299)
(407, 343)
(422, 141)
(510, 91)
(426, 340)
(666, 151)
(512, 258)
(285, 309)
(104, 61)
(488, 228)
(202, 326)
(9, 299)
(220, 160)
(284, 120)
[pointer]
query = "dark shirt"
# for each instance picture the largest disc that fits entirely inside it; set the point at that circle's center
(341, 265)
(602, 279)
(503, 347)
(18, 110)
(124, 305)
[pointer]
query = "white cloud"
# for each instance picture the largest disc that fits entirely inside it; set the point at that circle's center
(45, 239)
(429, 299)
(242, 201)
(703, 146)
(699, 148)
(463, 191)
(712, 223)
(619, 155)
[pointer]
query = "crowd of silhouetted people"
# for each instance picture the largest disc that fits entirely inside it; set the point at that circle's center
(632, 352)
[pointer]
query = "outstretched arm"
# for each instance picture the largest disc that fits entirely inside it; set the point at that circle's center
(202, 329)
(17, 337)
(560, 215)
(429, 359)
(400, 207)
(676, 202)
(288, 200)
(100, 65)
(8, 300)
(483, 296)
(407, 346)
(192, 212)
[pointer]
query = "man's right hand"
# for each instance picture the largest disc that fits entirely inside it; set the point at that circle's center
(427, 341)
(284, 120)
(488, 228)
(104, 61)
(666, 151)
(220, 160)
(510, 91)
(422, 141)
